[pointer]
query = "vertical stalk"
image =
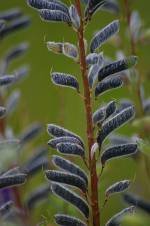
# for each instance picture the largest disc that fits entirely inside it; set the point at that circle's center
(89, 124)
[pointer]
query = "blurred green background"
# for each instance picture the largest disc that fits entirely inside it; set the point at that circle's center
(44, 102)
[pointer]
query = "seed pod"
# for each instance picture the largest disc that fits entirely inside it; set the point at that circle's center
(67, 80)
(108, 84)
(15, 25)
(55, 47)
(2, 25)
(117, 139)
(70, 167)
(12, 180)
(21, 73)
(75, 19)
(54, 142)
(30, 133)
(116, 67)
(13, 171)
(111, 6)
(46, 4)
(57, 131)
(6, 207)
(2, 112)
(67, 220)
(12, 101)
(103, 35)
(72, 198)
(55, 15)
(92, 7)
(110, 109)
(118, 187)
(137, 201)
(118, 151)
(114, 123)
(6, 80)
(93, 74)
(92, 58)
(10, 14)
(70, 149)
(70, 51)
(38, 195)
(116, 219)
(66, 178)
(124, 104)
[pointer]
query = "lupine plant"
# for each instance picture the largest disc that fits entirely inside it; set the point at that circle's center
(80, 187)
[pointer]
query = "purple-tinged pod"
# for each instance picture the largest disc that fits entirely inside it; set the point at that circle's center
(137, 201)
(70, 167)
(92, 58)
(30, 133)
(103, 35)
(108, 84)
(65, 139)
(6, 80)
(124, 103)
(21, 73)
(70, 149)
(55, 16)
(110, 108)
(118, 151)
(55, 47)
(58, 131)
(12, 180)
(92, 7)
(70, 51)
(6, 208)
(15, 25)
(2, 112)
(118, 187)
(116, 219)
(66, 178)
(66, 220)
(46, 4)
(40, 194)
(72, 198)
(2, 24)
(66, 80)
(15, 170)
(111, 6)
(75, 19)
(12, 101)
(10, 14)
(116, 67)
(115, 122)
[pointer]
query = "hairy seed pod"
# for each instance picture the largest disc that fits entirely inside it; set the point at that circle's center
(72, 198)
(66, 178)
(118, 151)
(75, 19)
(92, 58)
(124, 103)
(111, 6)
(38, 195)
(137, 201)
(6, 207)
(110, 108)
(10, 14)
(30, 133)
(116, 67)
(114, 123)
(108, 84)
(15, 25)
(55, 15)
(2, 112)
(2, 25)
(70, 149)
(118, 187)
(66, 220)
(92, 7)
(12, 101)
(103, 35)
(13, 171)
(116, 219)
(46, 4)
(12, 180)
(70, 51)
(63, 79)
(93, 74)
(70, 167)
(55, 47)
(66, 139)
(58, 131)
(6, 80)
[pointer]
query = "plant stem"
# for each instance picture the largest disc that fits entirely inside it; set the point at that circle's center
(89, 124)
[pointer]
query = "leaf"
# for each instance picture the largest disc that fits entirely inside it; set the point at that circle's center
(114, 123)
(70, 149)
(65, 139)
(118, 151)
(117, 187)
(66, 178)
(54, 15)
(67, 220)
(12, 180)
(72, 198)
(63, 79)
(116, 67)
(108, 84)
(75, 19)
(103, 35)
(70, 167)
